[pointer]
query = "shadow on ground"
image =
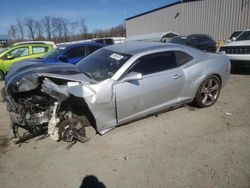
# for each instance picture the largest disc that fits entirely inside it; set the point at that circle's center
(241, 71)
(91, 182)
(4, 143)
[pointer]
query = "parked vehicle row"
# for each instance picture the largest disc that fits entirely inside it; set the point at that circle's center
(200, 41)
(45, 52)
(21, 52)
(73, 52)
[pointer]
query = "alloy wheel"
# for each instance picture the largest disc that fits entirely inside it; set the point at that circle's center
(210, 91)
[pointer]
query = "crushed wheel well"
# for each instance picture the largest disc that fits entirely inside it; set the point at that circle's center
(80, 107)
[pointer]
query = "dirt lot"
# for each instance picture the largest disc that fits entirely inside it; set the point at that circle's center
(182, 148)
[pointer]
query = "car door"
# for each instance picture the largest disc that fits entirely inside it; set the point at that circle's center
(159, 88)
(15, 55)
(75, 54)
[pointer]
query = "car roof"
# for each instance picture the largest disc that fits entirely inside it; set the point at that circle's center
(180, 36)
(82, 44)
(34, 43)
(196, 35)
(133, 48)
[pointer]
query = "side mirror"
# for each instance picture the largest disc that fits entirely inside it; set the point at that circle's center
(9, 57)
(63, 58)
(233, 38)
(132, 76)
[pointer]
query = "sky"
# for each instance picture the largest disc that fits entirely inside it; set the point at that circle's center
(99, 14)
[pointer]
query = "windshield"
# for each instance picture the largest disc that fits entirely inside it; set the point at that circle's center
(244, 36)
(54, 53)
(102, 64)
(235, 34)
(3, 50)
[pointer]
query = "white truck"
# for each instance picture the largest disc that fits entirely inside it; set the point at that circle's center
(238, 50)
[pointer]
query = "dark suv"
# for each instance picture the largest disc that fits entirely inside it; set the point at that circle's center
(201, 41)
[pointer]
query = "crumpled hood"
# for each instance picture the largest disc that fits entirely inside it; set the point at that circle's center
(26, 69)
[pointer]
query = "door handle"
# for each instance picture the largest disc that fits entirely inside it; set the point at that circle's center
(177, 76)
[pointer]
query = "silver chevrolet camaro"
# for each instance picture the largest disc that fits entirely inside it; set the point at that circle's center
(115, 85)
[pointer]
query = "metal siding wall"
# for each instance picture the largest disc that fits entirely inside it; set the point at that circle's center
(218, 18)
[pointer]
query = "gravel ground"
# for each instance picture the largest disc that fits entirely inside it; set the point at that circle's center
(186, 147)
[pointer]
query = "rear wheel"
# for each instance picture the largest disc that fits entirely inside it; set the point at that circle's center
(208, 92)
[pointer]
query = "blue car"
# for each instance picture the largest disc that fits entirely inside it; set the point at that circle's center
(70, 53)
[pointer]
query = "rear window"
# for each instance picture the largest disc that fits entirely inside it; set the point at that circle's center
(178, 40)
(182, 57)
(39, 49)
(109, 41)
(99, 41)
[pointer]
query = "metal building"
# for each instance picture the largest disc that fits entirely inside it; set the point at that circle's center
(4, 41)
(218, 18)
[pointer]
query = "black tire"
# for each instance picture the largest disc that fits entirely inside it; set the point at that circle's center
(90, 131)
(208, 92)
(1, 75)
(78, 123)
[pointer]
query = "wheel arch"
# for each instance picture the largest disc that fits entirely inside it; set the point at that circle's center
(218, 77)
(204, 78)
(80, 107)
(196, 100)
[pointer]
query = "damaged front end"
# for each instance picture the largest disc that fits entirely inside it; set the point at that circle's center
(40, 105)
(61, 106)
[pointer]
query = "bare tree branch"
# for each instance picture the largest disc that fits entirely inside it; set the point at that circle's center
(39, 29)
(30, 24)
(12, 31)
(73, 27)
(83, 27)
(47, 22)
(59, 29)
(20, 27)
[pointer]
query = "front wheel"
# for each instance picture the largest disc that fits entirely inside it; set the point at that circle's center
(76, 128)
(208, 92)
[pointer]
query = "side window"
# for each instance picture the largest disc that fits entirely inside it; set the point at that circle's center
(154, 63)
(191, 41)
(91, 49)
(39, 49)
(109, 41)
(182, 58)
(201, 39)
(75, 52)
(19, 52)
(99, 41)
